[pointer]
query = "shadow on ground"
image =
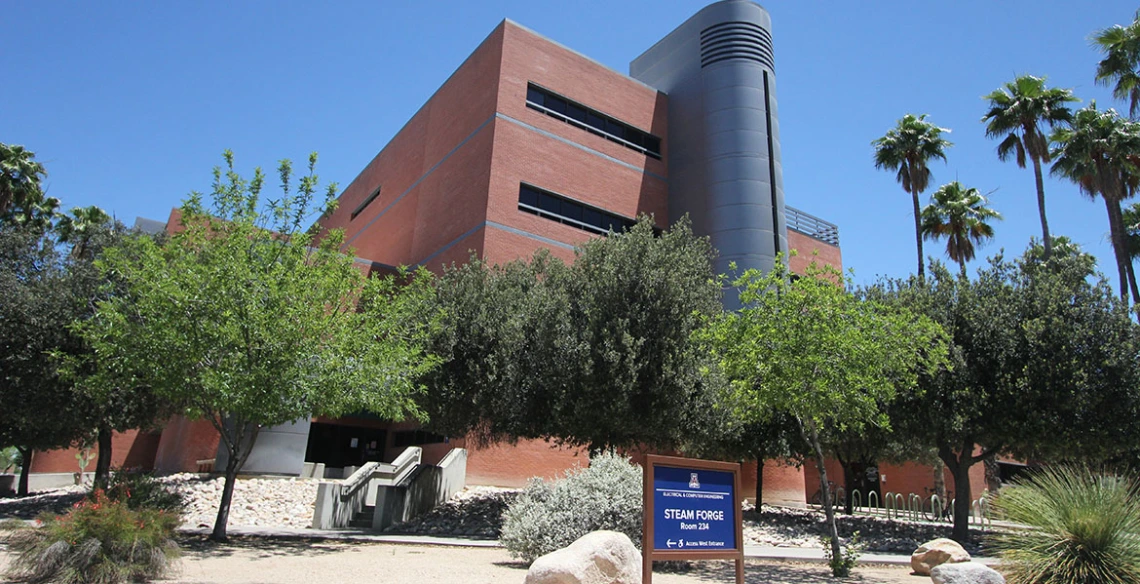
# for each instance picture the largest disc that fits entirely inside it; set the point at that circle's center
(262, 547)
(55, 502)
(786, 573)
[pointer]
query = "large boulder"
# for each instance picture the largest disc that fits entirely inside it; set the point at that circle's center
(965, 573)
(599, 557)
(937, 552)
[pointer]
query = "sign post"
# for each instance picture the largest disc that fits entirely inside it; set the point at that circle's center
(691, 512)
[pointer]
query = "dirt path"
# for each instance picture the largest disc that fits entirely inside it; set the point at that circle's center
(285, 562)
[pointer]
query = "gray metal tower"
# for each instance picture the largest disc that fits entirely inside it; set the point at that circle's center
(723, 145)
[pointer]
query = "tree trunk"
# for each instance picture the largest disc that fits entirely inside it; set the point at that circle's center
(239, 446)
(1046, 239)
(25, 470)
(849, 486)
(940, 488)
(103, 464)
(812, 437)
(918, 235)
(219, 533)
(1118, 246)
(759, 482)
(1131, 277)
(960, 468)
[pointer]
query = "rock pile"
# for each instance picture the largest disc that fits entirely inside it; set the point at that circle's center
(473, 512)
(284, 502)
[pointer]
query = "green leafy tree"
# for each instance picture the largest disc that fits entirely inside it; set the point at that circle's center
(1119, 68)
(1043, 366)
(811, 350)
(907, 149)
(1099, 152)
(20, 177)
(38, 410)
(729, 433)
(961, 216)
(242, 319)
(116, 401)
(595, 354)
(1016, 115)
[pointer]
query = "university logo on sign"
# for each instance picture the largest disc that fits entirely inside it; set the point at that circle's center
(693, 482)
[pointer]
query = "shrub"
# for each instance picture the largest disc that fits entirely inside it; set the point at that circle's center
(548, 516)
(99, 541)
(1081, 527)
(849, 556)
(10, 459)
(140, 490)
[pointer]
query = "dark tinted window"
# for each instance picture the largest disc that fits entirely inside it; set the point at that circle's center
(592, 120)
(364, 204)
(549, 203)
(570, 212)
(555, 104)
(533, 95)
(576, 112)
(528, 196)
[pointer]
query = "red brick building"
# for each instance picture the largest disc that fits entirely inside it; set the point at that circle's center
(530, 145)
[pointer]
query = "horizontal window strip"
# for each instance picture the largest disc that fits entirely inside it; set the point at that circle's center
(365, 203)
(566, 211)
(593, 121)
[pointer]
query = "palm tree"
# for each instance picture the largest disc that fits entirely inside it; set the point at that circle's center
(78, 227)
(1017, 111)
(1131, 219)
(1100, 152)
(961, 216)
(907, 148)
(35, 211)
(1121, 46)
(20, 176)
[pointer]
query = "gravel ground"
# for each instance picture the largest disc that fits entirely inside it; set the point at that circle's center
(476, 513)
(302, 562)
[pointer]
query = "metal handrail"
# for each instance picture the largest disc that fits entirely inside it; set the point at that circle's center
(812, 226)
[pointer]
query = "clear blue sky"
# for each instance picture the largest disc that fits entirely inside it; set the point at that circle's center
(130, 104)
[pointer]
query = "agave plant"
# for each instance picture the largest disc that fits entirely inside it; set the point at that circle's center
(1080, 526)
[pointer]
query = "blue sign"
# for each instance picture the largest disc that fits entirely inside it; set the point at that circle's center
(693, 509)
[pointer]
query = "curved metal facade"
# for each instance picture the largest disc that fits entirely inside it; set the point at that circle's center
(723, 147)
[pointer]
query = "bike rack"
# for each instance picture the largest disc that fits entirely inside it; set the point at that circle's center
(872, 496)
(856, 500)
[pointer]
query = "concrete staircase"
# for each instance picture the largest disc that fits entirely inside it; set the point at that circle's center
(382, 494)
(363, 518)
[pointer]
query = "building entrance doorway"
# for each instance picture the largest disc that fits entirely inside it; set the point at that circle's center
(340, 446)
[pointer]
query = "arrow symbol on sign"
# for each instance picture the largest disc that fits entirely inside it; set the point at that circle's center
(669, 543)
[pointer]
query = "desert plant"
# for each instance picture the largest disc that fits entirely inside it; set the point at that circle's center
(842, 564)
(99, 541)
(548, 516)
(140, 490)
(1081, 526)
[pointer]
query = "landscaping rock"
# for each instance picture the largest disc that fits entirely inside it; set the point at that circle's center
(599, 557)
(965, 573)
(935, 553)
